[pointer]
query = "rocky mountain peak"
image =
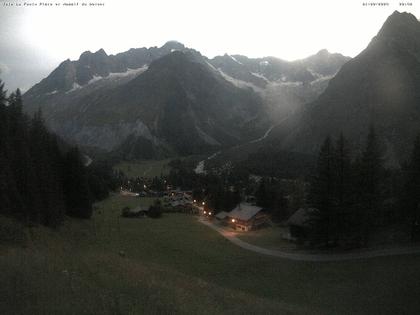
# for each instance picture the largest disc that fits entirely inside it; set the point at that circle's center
(400, 24)
(172, 45)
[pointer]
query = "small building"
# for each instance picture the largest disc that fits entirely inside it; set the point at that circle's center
(299, 224)
(221, 216)
(246, 217)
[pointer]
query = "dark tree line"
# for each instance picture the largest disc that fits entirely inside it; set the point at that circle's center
(353, 195)
(41, 178)
(411, 191)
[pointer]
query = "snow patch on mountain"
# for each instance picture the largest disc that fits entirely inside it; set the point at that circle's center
(287, 83)
(75, 87)
(234, 59)
(259, 75)
(211, 66)
(239, 83)
(129, 72)
(94, 79)
(322, 79)
(314, 73)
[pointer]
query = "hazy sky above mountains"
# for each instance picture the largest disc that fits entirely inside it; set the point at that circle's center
(34, 40)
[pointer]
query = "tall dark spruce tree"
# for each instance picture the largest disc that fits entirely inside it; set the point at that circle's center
(412, 190)
(342, 187)
(47, 161)
(371, 171)
(9, 196)
(21, 159)
(321, 196)
(76, 186)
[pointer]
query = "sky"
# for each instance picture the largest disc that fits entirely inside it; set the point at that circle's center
(35, 39)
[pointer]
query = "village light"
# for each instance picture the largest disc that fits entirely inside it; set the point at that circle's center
(233, 220)
(204, 203)
(205, 212)
(195, 201)
(209, 213)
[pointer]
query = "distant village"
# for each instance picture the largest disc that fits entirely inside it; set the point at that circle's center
(245, 216)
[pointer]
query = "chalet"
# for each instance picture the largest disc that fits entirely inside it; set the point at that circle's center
(178, 198)
(246, 217)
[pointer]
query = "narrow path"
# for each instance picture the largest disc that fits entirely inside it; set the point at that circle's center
(361, 254)
(264, 136)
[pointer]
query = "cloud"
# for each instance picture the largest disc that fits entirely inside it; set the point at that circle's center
(4, 69)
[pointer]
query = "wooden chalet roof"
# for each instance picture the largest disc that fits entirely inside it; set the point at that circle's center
(221, 215)
(244, 211)
(301, 217)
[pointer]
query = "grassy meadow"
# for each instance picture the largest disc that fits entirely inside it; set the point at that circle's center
(144, 168)
(268, 237)
(175, 265)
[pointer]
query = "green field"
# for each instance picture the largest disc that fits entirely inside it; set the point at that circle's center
(144, 168)
(175, 265)
(269, 237)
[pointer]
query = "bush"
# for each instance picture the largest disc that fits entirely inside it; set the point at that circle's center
(155, 211)
(11, 230)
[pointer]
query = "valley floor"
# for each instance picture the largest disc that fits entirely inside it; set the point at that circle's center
(175, 265)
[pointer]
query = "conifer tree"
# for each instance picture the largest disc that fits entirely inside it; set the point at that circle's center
(370, 177)
(322, 195)
(412, 189)
(20, 156)
(9, 196)
(342, 185)
(76, 186)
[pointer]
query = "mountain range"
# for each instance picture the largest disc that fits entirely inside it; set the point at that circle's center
(156, 102)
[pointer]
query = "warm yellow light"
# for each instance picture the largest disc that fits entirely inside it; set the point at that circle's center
(233, 220)
(204, 203)
(205, 212)
(195, 200)
(209, 213)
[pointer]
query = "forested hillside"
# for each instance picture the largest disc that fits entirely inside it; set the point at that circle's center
(41, 178)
